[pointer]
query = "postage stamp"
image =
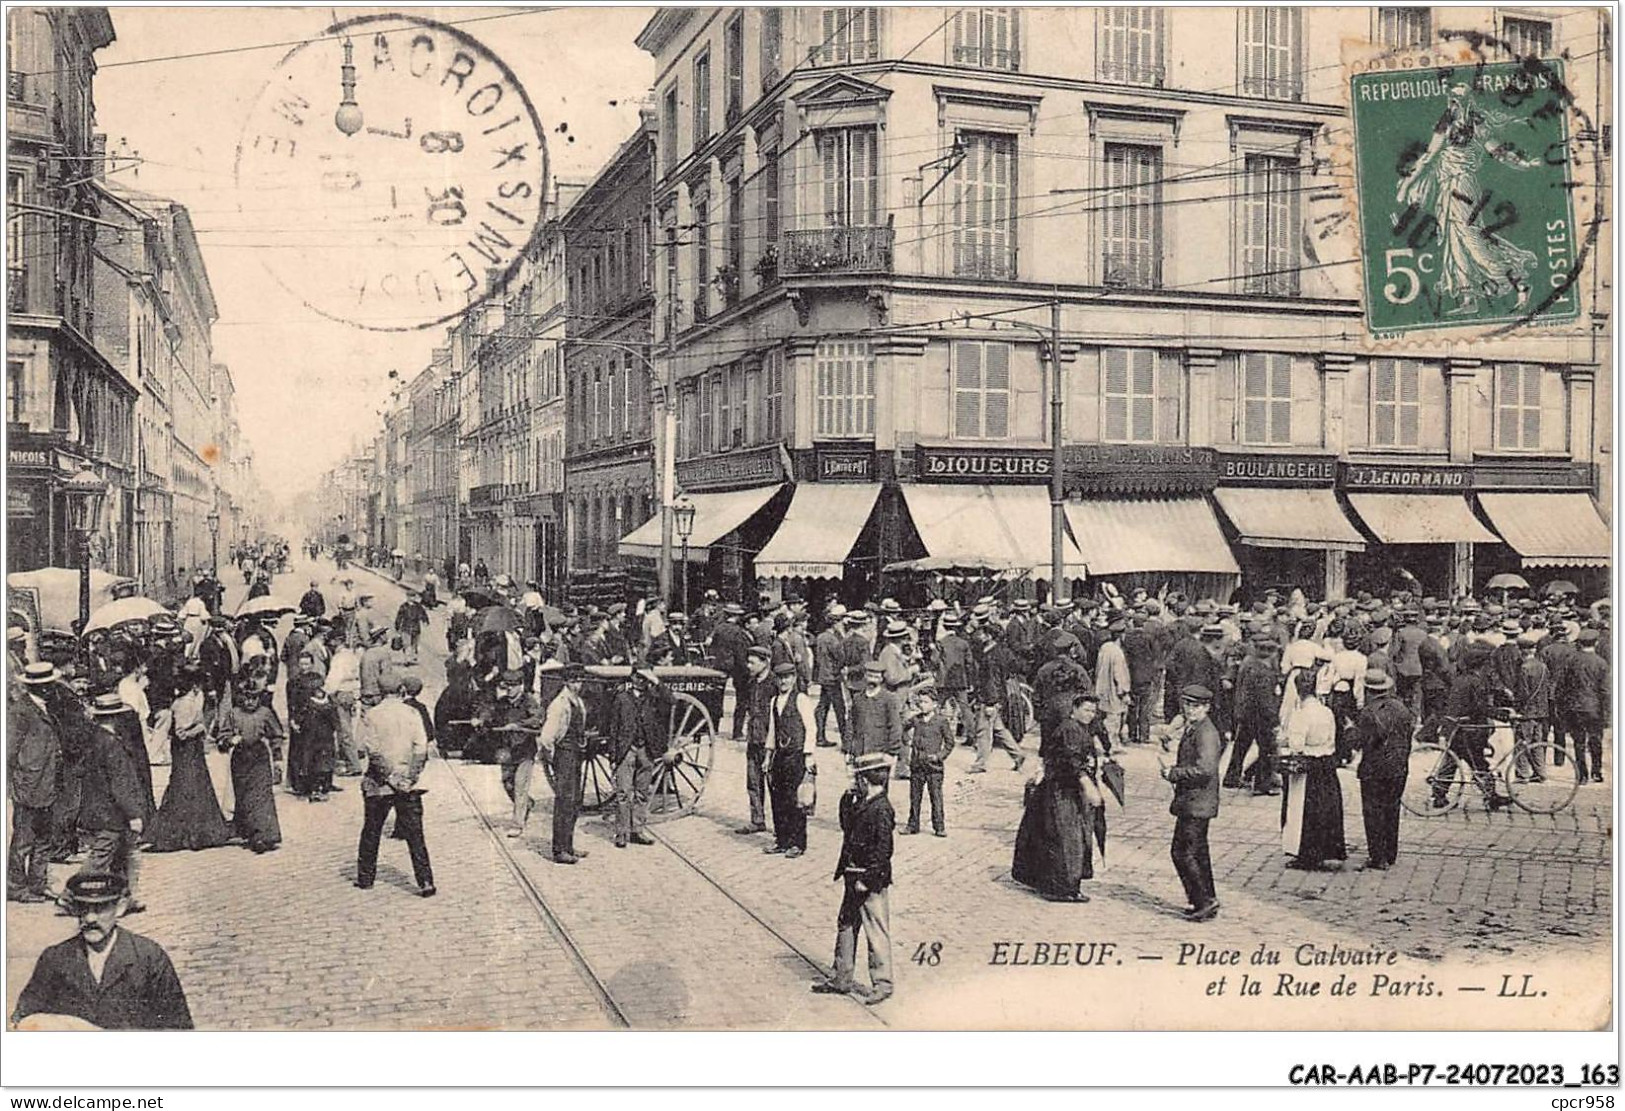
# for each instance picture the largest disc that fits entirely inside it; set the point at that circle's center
(416, 160)
(1464, 182)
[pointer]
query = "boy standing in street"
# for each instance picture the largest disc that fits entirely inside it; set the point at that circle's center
(933, 739)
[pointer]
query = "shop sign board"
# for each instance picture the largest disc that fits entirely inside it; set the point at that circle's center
(1404, 478)
(843, 464)
(992, 466)
(733, 470)
(1268, 469)
(1138, 468)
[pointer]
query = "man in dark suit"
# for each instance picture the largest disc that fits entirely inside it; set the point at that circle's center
(729, 645)
(33, 769)
(114, 806)
(1582, 692)
(1195, 776)
(755, 694)
(106, 976)
(1382, 733)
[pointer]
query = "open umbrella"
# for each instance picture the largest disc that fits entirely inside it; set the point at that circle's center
(266, 605)
(1506, 580)
(55, 592)
(398, 554)
(1559, 586)
(122, 610)
(479, 599)
(498, 618)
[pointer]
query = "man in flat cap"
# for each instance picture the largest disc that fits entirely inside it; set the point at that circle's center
(1195, 778)
(105, 976)
(865, 866)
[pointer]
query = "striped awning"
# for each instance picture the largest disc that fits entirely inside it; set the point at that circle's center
(1288, 518)
(990, 528)
(819, 529)
(1421, 519)
(1551, 530)
(1120, 536)
(715, 516)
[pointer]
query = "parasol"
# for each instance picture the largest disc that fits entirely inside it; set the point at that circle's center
(398, 554)
(55, 592)
(266, 605)
(121, 610)
(1506, 580)
(498, 618)
(1559, 586)
(479, 599)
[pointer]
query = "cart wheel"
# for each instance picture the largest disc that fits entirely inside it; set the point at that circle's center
(1435, 782)
(691, 735)
(597, 780)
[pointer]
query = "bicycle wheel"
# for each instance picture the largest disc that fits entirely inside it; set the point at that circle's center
(1435, 782)
(1022, 719)
(1550, 786)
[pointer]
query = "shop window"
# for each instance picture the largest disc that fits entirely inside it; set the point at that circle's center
(1140, 396)
(981, 374)
(1396, 403)
(984, 205)
(844, 377)
(1271, 44)
(1517, 406)
(1266, 395)
(1132, 45)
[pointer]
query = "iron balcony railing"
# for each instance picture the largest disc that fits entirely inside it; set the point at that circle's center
(853, 249)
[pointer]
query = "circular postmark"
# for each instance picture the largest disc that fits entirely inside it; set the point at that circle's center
(1470, 175)
(392, 167)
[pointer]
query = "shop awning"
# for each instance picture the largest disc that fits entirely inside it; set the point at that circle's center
(715, 516)
(1551, 530)
(1289, 519)
(819, 529)
(1420, 519)
(1119, 536)
(991, 528)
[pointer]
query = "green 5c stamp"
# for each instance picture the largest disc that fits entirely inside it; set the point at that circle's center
(1464, 189)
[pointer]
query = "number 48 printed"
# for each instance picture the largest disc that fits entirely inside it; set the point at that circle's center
(928, 953)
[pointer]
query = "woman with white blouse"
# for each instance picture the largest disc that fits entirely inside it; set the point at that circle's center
(1312, 803)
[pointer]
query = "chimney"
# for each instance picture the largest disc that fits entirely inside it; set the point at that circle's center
(98, 157)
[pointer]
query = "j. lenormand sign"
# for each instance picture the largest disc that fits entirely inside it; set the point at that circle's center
(1006, 466)
(1413, 479)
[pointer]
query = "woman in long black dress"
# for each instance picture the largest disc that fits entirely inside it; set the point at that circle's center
(190, 816)
(255, 734)
(313, 725)
(1312, 804)
(1053, 848)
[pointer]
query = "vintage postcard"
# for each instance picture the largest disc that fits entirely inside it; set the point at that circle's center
(811, 519)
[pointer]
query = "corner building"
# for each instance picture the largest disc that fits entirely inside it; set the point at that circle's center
(864, 215)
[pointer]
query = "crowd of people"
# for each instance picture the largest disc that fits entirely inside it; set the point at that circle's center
(1294, 689)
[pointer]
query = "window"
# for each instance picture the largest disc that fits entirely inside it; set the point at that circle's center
(849, 35)
(1271, 225)
(14, 391)
(981, 376)
(1266, 397)
(733, 63)
(707, 419)
(628, 399)
(1396, 403)
(1140, 395)
(772, 426)
(736, 241)
(673, 281)
(770, 198)
(612, 385)
(668, 128)
(1517, 406)
(722, 400)
(850, 183)
(1404, 28)
(984, 206)
(702, 259)
(844, 373)
(1271, 48)
(1527, 38)
(736, 395)
(987, 37)
(597, 403)
(702, 98)
(1131, 45)
(1132, 236)
(772, 46)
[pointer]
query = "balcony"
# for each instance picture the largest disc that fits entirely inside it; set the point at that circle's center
(987, 57)
(1289, 87)
(1131, 270)
(1132, 73)
(837, 250)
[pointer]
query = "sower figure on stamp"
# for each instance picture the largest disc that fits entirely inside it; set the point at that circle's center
(867, 823)
(1195, 777)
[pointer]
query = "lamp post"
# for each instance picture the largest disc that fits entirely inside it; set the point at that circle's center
(85, 494)
(213, 520)
(682, 515)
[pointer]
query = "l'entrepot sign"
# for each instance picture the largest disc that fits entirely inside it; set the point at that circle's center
(997, 466)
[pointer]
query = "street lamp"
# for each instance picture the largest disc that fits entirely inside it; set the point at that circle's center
(682, 514)
(213, 520)
(85, 494)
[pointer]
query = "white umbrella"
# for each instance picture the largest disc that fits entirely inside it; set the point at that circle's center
(266, 605)
(124, 609)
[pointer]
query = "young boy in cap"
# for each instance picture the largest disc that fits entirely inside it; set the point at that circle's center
(1195, 778)
(933, 740)
(105, 976)
(867, 822)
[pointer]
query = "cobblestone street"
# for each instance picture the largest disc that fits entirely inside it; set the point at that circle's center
(704, 931)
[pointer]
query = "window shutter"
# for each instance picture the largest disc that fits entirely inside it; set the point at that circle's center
(1169, 375)
(1382, 403)
(1507, 386)
(1254, 389)
(1280, 399)
(865, 203)
(869, 20)
(1410, 403)
(829, 155)
(996, 383)
(834, 19)
(967, 390)
(1114, 389)
(1531, 407)
(1142, 389)
(1255, 219)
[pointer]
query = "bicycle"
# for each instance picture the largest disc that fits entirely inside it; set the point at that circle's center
(1539, 777)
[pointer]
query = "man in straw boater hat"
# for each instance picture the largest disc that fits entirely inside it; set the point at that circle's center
(867, 824)
(106, 976)
(33, 766)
